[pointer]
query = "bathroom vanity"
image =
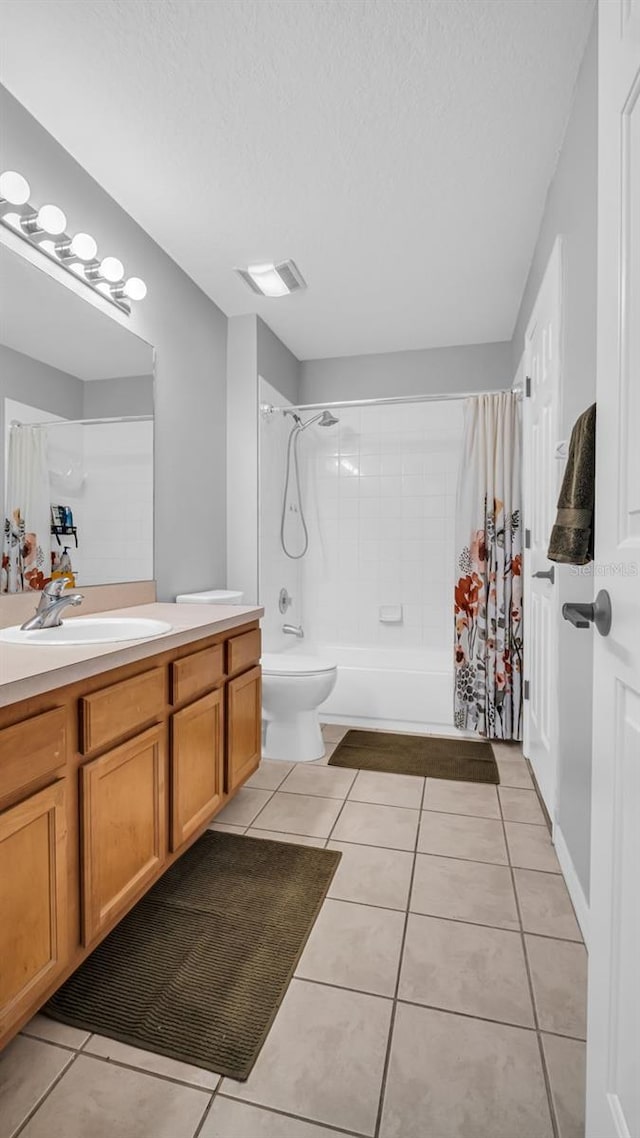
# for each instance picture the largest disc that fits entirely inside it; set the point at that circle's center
(113, 760)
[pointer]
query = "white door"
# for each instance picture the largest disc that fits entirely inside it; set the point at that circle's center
(613, 1043)
(543, 374)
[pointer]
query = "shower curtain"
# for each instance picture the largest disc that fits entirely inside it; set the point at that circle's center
(488, 589)
(26, 551)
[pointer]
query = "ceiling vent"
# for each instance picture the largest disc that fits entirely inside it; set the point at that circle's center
(273, 280)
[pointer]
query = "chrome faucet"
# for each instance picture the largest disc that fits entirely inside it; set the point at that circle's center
(294, 630)
(53, 601)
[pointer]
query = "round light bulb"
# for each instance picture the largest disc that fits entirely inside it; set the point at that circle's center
(84, 246)
(135, 288)
(52, 220)
(14, 188)
(112, 269)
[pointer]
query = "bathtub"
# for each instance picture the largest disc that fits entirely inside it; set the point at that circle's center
(397, 689)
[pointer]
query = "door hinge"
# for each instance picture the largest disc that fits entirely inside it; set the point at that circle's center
(526, 689)
(527, 539)
(527, 387)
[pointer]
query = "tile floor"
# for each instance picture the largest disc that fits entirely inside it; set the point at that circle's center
(441, 993)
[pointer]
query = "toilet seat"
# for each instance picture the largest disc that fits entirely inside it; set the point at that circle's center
(292, 664)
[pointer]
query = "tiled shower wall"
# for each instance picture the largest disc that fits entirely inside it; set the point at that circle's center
(380, 490)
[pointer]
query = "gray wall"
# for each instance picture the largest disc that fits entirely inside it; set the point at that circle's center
(474, 367)
(104, 398)
(571, 210)
(39, 385)
(276, 363)
(189, 333)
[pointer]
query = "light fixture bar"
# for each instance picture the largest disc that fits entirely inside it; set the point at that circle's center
(44, 229)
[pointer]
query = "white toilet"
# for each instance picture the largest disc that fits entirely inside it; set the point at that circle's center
(293, 687)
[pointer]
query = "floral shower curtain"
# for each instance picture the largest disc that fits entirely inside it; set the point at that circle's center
(488, 590)
(26, 550)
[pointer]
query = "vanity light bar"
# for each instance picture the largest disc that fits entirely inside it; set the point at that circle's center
(45, 229)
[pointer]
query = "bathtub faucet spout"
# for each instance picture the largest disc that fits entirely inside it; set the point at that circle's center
(294, 630)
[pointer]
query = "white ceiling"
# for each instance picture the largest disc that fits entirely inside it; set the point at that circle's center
(399, 151)
(42, 319)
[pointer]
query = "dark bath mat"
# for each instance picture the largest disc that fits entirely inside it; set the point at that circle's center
(198, 969)
(461, 759)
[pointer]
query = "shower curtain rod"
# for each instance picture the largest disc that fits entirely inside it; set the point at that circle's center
(86, 422)
(396, 399)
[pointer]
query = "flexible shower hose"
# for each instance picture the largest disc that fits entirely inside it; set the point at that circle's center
(292, 449)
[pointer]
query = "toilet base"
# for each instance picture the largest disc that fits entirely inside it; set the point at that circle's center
(295, 739)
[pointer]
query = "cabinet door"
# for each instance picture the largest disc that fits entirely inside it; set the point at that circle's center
(33, 900)
(124, 840)
(244, 727)
(197, 752)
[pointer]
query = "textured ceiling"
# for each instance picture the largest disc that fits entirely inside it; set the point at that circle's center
(399, 150)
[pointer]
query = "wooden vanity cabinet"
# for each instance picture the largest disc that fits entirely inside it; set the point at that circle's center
(34, 947)
(197, 765)
(123, 828)
(103, 785)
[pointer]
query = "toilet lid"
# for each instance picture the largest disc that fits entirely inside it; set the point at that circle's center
(294, 664)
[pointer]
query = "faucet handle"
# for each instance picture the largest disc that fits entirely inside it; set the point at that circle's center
(56, 587)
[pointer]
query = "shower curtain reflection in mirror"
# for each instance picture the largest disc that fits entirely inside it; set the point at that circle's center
(26, 558)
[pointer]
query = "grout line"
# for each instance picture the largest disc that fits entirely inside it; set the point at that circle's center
(545, 1073)
(36, 1107)
(174, 1080)
(207, 1110)
(286, 1114)
(387, 1058)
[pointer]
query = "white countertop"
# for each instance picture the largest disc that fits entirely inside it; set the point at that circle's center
(28, 669)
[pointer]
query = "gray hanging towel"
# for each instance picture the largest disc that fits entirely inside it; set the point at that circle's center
(571, 540)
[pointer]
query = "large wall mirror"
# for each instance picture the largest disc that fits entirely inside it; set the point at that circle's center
(76, 430)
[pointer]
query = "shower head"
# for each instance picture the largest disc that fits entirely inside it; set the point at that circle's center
(327, 419)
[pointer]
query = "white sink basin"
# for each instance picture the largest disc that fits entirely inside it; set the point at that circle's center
(89, 630)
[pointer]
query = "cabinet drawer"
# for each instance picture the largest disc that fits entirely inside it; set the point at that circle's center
(32, 749)
(243, 651)
(117, 710)
(195, 674)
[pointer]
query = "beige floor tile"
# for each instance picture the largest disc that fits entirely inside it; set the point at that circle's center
(323, 1059)
(456, 835)
(466, 968)
(545, 905)
(242, 809)
(231, 1119)
(53, 1032)
(299, 814)
(269, 775)
(393, 827)
(530, 847)
(455, 1077)
(336, 954)
(295, 839)
(225, 828)
(451, 797)
(464, 891)
(515, 772)
(334, 732)
(328, 782)
(151, 1063)
(371, 875)
(566, 1062)
(105, 1101)
(521, 806)
(504, 750)
(28, 1067)
(387, 789)
(559, 978)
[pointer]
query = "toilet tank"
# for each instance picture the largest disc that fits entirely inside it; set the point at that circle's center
(211, 597)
